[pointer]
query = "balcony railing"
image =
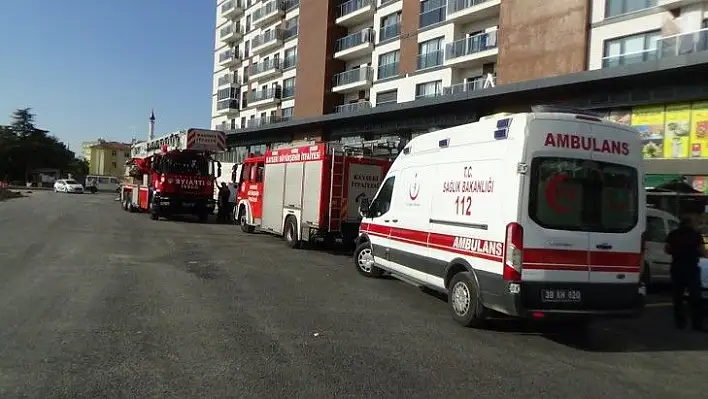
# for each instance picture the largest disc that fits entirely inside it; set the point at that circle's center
(228, 79)
(351, 6)
(454, 6)
(635, 57)
(264, 66)
(353, 76)
(683, 43)
(430, 59)
(229, 103)
(290, 4)
(267, 94)
(353, 107)
(288, 91)
(228, 55)
(389, 70)
(269, 8)
(290, 32)
(231, 28)
(389, 31)
(472, 85)
(267, 37)
(355, 39)
(433, 13)
(266, 120)
(471, 45)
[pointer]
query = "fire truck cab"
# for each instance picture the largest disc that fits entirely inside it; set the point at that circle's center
(174, 174)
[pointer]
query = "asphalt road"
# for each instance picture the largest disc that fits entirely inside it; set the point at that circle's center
(97, 302)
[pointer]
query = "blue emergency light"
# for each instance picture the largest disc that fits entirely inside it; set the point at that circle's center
(502, 129)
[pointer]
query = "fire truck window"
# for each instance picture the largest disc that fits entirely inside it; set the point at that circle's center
(245, 172)
(254, 170)
(259, 173)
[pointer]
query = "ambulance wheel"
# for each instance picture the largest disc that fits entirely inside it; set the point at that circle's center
(290, 233)
(364, 261)
(465, 301)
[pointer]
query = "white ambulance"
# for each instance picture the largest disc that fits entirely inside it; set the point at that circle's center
(537, 215)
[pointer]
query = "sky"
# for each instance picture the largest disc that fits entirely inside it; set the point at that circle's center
(96, 68)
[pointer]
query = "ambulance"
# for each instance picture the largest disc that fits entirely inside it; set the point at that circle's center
(536, 215)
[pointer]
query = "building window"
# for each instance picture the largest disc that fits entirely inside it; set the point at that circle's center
(243, 122)
(291, 27)
(288, 113)
(289, 88)
(114, 153)
(387, 97)
(290, 58)
(126, 154)
(388, 65)
(114, 165)
(430, 53)
(390, 26)
(428, 89)
(614, 8)
(432, 12)
(630, 49)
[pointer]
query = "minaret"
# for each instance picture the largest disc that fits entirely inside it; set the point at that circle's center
(151, 126)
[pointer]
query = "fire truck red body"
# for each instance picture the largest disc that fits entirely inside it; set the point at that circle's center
(306, 193)
(174, 174)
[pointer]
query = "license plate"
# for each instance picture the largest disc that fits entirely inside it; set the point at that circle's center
(561, 295)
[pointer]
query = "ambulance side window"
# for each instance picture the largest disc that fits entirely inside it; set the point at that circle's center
(382, 203)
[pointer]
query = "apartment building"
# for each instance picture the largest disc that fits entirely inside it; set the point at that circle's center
(627, 32)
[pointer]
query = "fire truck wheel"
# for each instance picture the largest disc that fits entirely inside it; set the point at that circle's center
(243, 222)
(203, 216)
(290, 233)
(465, 302)
(364, 261)
(154, 215)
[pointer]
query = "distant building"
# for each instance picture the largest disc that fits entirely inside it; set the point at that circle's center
(106, 158)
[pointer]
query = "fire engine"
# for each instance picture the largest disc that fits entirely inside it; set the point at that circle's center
(306, 194)
(174, 174)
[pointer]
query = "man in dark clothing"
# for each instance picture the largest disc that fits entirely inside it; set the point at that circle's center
(685, 245)
(224, 196)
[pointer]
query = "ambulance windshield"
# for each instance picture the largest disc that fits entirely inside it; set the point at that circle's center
(191, 164)
(583, 195)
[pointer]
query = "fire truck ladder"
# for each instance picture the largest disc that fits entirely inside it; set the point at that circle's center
(337, 202)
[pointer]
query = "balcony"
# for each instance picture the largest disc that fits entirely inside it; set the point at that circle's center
(390, 31)
(267, 41)
(683, 43)
(228, 106)
(232, 9)
(465, 11)
(290, 61)
(472, 51)
(228, 80)
(266, 120)
(265, 69)
(290, 4)
(355, 45)
(353, 80)
(472, 85)
(290, 31)
(229, 58)
(261, 98)
(272, 11)
(355, 12)
(352, 107)
(231, 33)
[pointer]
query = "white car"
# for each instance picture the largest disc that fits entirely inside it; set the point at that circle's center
(68, 186)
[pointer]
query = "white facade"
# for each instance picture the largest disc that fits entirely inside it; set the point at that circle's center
(262, 36)
(631, 31)
(456, 39)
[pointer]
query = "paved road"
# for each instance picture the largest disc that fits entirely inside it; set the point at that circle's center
(96, 302)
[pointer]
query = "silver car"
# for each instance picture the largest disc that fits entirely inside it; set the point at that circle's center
(68, 186)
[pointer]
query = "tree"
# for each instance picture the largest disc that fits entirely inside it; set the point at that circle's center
(24, 148)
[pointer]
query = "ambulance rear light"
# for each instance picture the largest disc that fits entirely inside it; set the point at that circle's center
(513, 252)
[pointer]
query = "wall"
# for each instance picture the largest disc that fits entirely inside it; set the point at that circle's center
(542, 38)
(316, 64)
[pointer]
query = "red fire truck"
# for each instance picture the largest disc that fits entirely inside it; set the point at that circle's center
(174, 174)
(309, 193)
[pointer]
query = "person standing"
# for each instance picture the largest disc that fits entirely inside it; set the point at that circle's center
(224, 194)
(685, 245)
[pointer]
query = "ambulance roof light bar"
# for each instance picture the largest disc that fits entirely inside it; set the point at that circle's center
(562, 109)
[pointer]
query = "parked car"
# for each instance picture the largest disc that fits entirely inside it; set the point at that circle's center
(103, 183)
(68, 186)
(656, 262)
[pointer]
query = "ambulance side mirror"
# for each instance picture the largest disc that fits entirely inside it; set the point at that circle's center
(364, 206)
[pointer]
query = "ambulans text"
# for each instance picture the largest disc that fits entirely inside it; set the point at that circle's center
(577, 142)
(479, 246)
